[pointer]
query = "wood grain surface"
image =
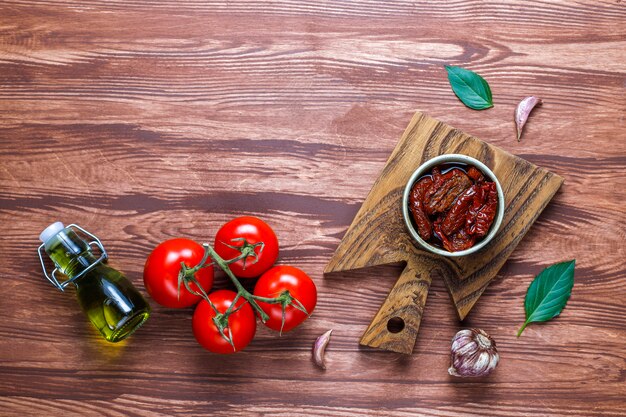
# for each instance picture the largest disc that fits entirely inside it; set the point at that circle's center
(378, 235)
(145, 120)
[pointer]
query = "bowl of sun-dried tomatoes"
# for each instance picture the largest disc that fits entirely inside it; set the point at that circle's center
(453, 205)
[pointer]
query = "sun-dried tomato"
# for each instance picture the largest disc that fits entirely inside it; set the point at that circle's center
(452, 183)
(458, 241)
(482, 212)
(475, 174)
(454, 208)
(456, 217)
(424, 227)
(437, 181)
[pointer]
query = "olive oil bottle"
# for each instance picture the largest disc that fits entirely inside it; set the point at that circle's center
(107, 297)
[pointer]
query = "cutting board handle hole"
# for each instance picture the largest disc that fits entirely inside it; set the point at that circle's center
(395, 325)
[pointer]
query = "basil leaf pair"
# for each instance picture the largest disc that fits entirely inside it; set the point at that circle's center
(470, 88)
(548, 293)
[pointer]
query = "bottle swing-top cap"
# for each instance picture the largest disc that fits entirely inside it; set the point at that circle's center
(51, 231)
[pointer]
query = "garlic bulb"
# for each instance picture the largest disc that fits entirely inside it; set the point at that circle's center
(473, 353)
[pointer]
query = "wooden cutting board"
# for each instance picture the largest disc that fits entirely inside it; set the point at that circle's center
(378, 236)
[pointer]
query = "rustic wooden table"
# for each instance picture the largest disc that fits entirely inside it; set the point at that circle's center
(142, 121)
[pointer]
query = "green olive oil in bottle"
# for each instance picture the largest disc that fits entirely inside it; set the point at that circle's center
(107, 297)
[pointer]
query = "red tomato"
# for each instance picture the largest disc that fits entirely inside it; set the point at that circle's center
(160, 274)
(241, 324)
(300, 286)
(254, 230)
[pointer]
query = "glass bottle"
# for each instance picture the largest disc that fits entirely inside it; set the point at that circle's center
(107, 297)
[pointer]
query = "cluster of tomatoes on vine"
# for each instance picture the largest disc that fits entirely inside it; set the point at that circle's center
(179, 274)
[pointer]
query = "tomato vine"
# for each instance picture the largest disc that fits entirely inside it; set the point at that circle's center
(186, 277)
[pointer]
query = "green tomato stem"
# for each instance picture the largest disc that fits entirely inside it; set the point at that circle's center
(241, 291)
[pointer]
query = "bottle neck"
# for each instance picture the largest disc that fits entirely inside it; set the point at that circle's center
(70, 253)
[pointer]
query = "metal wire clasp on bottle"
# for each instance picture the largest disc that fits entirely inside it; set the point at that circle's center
(52, 276)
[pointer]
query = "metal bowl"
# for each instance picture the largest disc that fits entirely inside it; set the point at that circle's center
(424, 169)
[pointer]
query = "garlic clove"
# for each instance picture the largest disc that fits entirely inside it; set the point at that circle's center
(319, 348)
(522, 111)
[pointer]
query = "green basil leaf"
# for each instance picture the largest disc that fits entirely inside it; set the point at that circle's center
(470, 88)
(548, 293)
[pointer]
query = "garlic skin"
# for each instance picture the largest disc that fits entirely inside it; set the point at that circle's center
(473, 354)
